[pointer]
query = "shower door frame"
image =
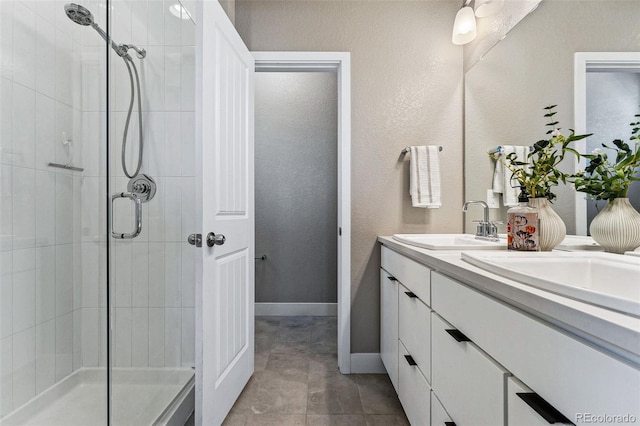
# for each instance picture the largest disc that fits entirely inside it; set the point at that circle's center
(339, 62)
(109, 240)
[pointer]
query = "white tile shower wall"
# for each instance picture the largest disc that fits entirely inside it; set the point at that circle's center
(154, 273)
(52, 253)
(40, 275)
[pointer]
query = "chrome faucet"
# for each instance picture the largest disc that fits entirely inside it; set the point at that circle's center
(486, 229)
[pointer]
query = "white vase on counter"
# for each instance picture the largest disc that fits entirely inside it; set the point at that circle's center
(617, 227)
(552, 228)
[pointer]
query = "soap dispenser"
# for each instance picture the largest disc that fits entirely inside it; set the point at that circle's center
(523, 226)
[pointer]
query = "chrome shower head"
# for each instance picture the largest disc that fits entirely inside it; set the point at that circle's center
(82, 16)
(78, 14)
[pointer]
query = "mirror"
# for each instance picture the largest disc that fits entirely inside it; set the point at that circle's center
(533, 67)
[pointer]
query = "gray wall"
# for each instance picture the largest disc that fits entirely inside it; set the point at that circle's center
(296, 186)
(530, 69)
(406, 80)
(613, 99)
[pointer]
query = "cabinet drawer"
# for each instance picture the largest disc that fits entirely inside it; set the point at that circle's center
(520, 413)
(468, 382)
(389, 326)
(415, 276)
(439, 416)
(414, 390)
(571, 375)
(415, 329)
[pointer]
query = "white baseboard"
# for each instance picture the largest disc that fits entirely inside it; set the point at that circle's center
(367, 363)
(293, 309)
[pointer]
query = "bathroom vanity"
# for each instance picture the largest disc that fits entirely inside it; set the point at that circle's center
(466, 347)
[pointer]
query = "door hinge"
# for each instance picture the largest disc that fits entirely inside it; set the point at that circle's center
(340, 230)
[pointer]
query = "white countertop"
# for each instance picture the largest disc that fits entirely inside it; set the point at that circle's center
(616, 332)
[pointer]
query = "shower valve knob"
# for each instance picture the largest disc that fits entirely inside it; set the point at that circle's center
(215, 240)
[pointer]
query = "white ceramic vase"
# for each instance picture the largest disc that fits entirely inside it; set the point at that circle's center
(552, 228)
(617, 227)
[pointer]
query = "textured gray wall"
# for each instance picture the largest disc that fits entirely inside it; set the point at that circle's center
(613, 99)
(296, 186)
(406, 80)
(530, 69)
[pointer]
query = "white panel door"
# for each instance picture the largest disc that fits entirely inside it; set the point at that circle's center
(226, 277)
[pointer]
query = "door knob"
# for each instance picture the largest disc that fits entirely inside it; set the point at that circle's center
(215, 240)
(195, 240)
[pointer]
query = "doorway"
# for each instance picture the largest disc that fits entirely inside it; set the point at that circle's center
(324, 71)
(607, 95)
(296, 193)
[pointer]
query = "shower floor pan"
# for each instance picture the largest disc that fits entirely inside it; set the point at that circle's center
(141, 396)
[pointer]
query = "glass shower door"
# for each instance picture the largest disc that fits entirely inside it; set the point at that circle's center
(93, 327)
(152, 279)
(53, 234)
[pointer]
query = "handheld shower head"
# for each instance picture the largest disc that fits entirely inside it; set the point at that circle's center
(78, 14)
(83, 16)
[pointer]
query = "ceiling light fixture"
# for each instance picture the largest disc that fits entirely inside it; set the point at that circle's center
(486, 8)
(464, 27)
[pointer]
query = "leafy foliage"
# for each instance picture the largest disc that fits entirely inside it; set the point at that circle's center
(539, 174)
(607, 180)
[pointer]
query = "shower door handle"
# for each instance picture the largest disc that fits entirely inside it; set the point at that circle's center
(138, 217)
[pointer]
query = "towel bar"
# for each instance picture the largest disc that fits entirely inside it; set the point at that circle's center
(499, 149)
(406, 149)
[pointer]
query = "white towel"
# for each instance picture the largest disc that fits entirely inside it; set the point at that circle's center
(424, 179)
(502, 183)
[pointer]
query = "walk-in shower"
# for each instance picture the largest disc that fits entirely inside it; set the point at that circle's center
(96, 330)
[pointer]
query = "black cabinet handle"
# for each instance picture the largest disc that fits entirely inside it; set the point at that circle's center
(392, 278)
(410, 294)
(543, 408)
(410, 360)
(449, 423)
(458, 335)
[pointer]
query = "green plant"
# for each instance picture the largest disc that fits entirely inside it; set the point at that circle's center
(539, 174)
(607, 180)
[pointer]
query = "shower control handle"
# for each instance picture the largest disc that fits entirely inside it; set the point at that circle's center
(215, 240)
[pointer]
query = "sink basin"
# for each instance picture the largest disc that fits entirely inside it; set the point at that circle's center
(636, 252)
(578, 243)
(449, 242)
(607, 280)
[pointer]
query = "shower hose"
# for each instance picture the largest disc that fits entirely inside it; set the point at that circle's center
(129, 62)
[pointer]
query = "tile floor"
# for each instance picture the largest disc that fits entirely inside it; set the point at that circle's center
(297, 382)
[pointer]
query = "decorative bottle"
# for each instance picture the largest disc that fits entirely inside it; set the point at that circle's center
(523, 226)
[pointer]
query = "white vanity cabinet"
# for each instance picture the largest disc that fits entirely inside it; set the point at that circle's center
(389, 325)
(573, 377)
(526, 408)
(405, 333)
(413, 275)
(439, 416)
(414, 390)
(459, 356)
(414, 329)
(467, 381)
